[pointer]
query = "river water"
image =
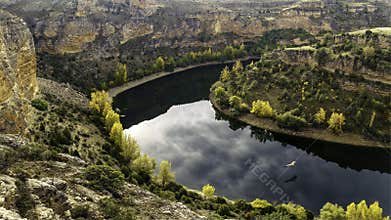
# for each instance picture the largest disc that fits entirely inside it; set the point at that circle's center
(172, 119)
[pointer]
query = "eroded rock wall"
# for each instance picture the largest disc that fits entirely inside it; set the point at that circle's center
(17, 73)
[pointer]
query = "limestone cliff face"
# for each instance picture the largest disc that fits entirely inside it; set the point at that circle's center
(17, 72)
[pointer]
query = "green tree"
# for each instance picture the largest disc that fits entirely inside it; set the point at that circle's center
(235, 101)
(260, 204)
(121, 74)
(229, 52)
(336, 121)
(208, 190)
(130, 148)
(221, 96)
(170, 64)
(116, 133)
(262, 109)
(323, 56)
(332, 212)
(144, 165)
(104, 177)
(165, 174)
(111, 118)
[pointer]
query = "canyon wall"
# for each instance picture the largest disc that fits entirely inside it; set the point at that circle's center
(81, 41)
(17, 73)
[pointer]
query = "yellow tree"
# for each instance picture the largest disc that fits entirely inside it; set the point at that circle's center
(165, 174)
(225, 74)
(116, 133)
(262, 109)
(295, 210)
(99, 101)
(111, 118)
(260, 204)
(238, 67)
(332, 212)
(320, 116)
(208, 190)
(336, 121)
(130, 148)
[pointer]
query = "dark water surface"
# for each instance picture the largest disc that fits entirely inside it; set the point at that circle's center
(173, 120)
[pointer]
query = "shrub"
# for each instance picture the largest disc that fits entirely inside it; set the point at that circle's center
(208, 190)
(40, 104)
(81, 211)
(332, 212)
(113, 210)
(224, 210)
(320, 116)
(288, 120)
(277, 216)
(260, 204)
(262, 109)
(167, 195)
(336, 121)
(60, 137)
(104, 177)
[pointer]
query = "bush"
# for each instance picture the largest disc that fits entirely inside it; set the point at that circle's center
(224, 210)
(60, 137)
(113, 210)
(81, 211)
(168, 195)
(103, 177)
(40, 104)
(262, 109)
(288, 120)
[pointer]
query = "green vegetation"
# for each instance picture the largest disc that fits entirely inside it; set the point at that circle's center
(40, 104)
(261, 109)
(103, 177)
(303, 87)
(165, 174)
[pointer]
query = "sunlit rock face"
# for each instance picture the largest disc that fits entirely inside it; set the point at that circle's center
(17, 73)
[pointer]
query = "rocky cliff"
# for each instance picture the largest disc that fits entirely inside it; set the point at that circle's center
(96, 35)
(17, 72)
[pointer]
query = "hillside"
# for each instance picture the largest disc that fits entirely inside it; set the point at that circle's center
(100, 34)
(336, 90)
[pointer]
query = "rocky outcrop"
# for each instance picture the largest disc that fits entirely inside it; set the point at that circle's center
(17, 72)
(81, 41)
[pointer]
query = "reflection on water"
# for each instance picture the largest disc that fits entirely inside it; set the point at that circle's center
(204, 149)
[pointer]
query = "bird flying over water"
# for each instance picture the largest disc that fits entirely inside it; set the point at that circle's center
(291, 164)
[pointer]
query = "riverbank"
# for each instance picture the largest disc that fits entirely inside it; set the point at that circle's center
(309, 133)
(113, 92)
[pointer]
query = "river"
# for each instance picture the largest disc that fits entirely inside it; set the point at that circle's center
(172, 119)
